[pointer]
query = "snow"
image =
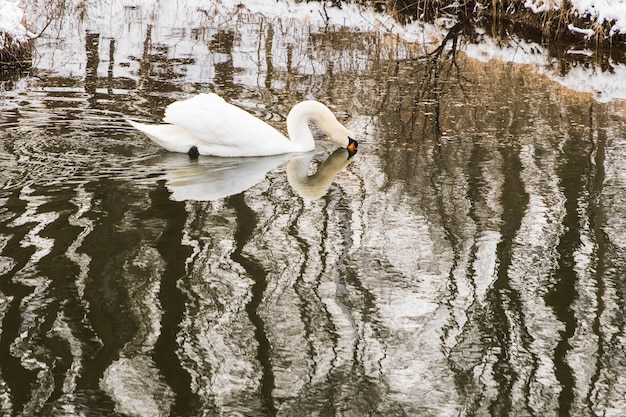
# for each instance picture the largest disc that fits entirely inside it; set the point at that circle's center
(603, 11)
(603, 86)
(130, 32)
(587, 33)
(11, 16)
(599, 12)
(541, 6)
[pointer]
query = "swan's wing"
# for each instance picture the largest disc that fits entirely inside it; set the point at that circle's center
(226, 129)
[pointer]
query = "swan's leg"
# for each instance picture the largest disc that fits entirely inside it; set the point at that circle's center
(193, 152)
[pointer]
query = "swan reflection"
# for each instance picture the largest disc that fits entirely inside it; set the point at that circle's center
(315, 186)
(214, 178)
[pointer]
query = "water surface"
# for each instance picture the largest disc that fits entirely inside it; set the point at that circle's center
(469, 260)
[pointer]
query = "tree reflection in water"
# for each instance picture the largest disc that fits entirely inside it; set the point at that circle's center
(467, 261)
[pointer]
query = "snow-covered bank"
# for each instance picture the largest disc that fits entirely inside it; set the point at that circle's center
(62, 47)
(587, 18)
(14, 37)
(603, 20)
(598, 13)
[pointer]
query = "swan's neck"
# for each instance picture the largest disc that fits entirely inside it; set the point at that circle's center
(313, 111)
(299, 131)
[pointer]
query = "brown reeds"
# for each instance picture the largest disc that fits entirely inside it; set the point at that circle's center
(552, 22)
(12, 51)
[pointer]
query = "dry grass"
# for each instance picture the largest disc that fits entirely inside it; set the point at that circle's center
(552, 23)
(12, 51)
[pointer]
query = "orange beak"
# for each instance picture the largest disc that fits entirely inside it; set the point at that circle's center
(352, 145)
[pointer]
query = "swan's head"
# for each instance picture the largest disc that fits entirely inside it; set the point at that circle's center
(324, 118)
(341, 136)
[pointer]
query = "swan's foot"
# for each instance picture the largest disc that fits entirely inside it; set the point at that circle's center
(193, 152)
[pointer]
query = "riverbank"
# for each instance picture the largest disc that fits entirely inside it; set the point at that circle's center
(599, 22)
(15, 39)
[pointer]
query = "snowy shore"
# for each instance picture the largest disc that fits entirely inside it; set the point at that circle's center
(14, 37)
(604, 21)
(600, 76)
(598, 13)
(601, 20)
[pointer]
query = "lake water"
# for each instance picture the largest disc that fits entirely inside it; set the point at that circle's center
(470, 260)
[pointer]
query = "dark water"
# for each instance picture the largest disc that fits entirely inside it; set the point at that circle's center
(468, 261)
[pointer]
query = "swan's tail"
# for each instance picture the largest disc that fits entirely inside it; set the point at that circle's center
(171, 137)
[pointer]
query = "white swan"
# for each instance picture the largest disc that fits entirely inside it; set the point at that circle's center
(206, 124)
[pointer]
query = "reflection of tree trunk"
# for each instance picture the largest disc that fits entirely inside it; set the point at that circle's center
(290, 71)
(92, 41)
(225, 71)
(17, 378)
(105, 289)
(145, 63)
(269, 39)
(609, 284)
(111, 65)
(603, 262)
(173, 302)
(246, 225)
(506, 313)
(562, 295)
